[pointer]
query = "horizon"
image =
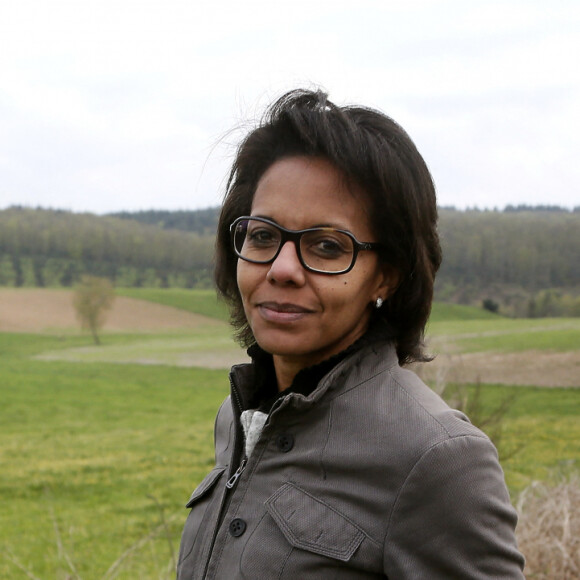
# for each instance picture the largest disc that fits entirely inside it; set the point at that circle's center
(505, 209)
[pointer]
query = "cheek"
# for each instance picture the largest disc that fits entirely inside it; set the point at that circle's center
(355, 291)
(344, 296)
(248, 277)
(241, 278)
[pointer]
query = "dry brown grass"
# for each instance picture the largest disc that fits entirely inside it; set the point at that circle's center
(549, 529)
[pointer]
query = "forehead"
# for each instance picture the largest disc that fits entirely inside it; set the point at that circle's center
(302, 192)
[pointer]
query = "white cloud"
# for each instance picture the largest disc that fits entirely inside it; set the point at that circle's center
(117, 104)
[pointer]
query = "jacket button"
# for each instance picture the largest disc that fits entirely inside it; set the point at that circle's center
(237, 527)
(285, 442)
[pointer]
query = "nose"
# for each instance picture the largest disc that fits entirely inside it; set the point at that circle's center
(286, 268)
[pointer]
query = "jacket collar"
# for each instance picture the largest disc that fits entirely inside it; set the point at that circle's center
(254, 384)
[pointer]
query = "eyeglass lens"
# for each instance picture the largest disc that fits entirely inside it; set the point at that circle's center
(322, 249)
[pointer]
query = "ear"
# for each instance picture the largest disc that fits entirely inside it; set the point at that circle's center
(388, 281)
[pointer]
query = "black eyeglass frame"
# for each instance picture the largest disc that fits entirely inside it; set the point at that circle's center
(295, 237)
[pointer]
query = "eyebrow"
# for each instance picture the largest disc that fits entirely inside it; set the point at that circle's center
(322, 225)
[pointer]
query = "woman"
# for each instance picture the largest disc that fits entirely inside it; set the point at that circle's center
(332, 461)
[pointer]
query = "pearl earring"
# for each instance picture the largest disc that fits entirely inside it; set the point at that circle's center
(378, 303)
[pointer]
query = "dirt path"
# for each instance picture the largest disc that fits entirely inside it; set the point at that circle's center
(39, 310)
(531, 367)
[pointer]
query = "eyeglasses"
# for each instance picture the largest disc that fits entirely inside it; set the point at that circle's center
(322, 250)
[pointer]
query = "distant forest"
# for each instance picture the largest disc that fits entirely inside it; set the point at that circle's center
(48, 248)
(522, 261)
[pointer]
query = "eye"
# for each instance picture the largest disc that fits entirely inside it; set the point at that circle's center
(329, 247)
(328, 244)
(262, 236)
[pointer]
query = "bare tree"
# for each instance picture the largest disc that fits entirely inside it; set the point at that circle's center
(92, 298)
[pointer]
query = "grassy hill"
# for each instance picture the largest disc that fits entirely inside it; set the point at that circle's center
(197, 301)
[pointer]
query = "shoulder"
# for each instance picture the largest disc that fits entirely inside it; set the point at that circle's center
(419, 402)
(374, 390)
(455, 504)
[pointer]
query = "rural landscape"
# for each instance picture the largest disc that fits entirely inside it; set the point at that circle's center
(102, 444)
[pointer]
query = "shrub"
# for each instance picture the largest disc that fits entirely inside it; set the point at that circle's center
(92, 298)
(549, 529)
(489, 304)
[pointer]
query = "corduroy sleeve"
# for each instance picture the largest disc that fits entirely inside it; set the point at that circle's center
(453, 518)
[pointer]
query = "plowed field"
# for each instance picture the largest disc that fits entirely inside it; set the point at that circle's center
(40, 310)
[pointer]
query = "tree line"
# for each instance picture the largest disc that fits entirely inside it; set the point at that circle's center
(520, 261)
(201, 221)
(47, 248)
(526, 262)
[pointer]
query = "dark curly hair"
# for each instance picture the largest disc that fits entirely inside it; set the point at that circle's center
(377, 155)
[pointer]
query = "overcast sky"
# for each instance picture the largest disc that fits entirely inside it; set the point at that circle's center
(109, 105)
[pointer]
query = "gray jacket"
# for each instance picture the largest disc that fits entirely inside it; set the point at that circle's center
(370, 476)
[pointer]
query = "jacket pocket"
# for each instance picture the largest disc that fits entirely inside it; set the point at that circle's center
(205, 486)
(310, 524)
(200, 502)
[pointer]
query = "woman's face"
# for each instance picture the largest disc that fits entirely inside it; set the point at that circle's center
(298, 316)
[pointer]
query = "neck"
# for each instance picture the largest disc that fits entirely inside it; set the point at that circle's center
(286, 369)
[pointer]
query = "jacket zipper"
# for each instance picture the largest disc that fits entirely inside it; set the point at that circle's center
(234, 478)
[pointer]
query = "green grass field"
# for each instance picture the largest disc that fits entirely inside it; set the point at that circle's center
(99, 458)
(94, 459)
(509, 335)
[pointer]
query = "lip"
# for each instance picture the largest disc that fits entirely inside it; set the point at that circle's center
(282, 312)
